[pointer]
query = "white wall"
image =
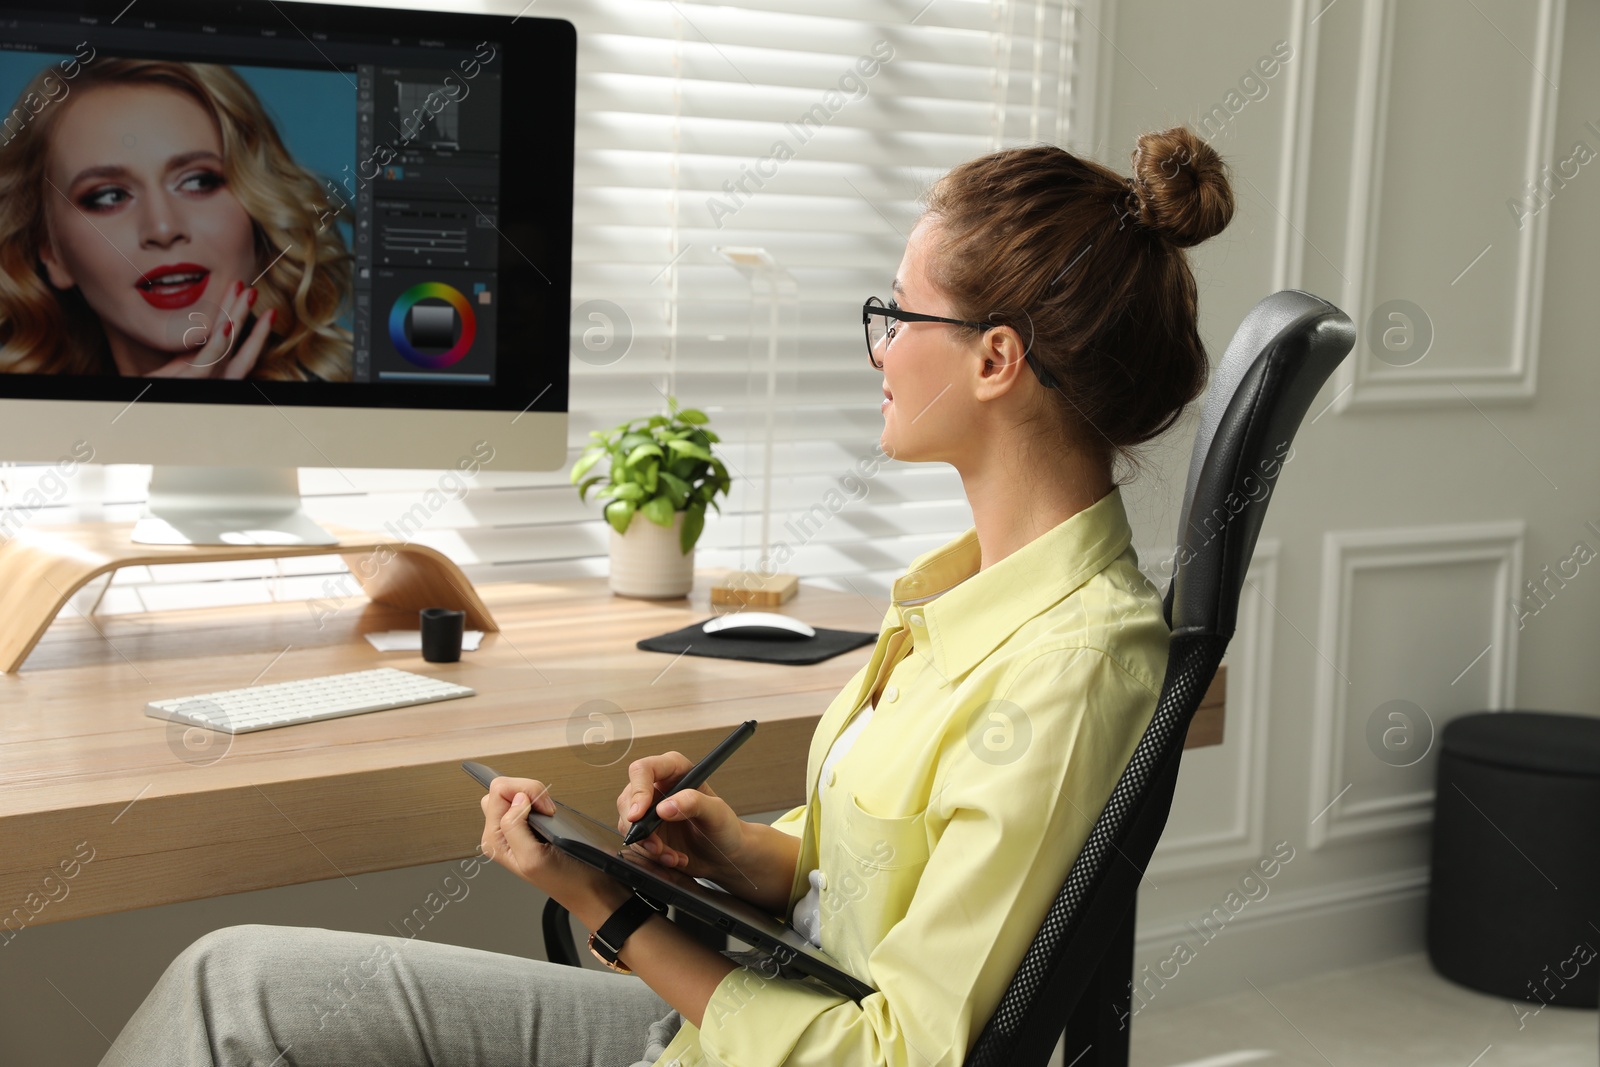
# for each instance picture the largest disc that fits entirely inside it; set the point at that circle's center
(1377, 167)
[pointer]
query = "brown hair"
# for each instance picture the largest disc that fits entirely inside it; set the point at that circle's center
(1088, 267)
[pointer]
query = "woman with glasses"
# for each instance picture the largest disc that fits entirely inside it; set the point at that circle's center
(1042, 324)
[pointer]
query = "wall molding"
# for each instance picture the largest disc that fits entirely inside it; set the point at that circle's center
(1344, 553)
(1288, 935)
(1359, 384)
(1282, 906)
(1249, 658)
(1288, 255)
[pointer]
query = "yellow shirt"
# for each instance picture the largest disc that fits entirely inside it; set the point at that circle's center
(1008, 703)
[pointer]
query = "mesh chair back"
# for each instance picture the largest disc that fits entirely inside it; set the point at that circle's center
(1278, 360)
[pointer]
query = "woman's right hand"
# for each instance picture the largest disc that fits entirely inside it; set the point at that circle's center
(700, 834)
(222, 350)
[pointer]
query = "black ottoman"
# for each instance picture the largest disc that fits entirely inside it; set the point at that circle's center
(1516, 857)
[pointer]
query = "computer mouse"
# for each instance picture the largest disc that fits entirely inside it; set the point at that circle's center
(761, 625)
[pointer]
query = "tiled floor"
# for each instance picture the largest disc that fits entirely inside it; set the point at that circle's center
(1399, 1013)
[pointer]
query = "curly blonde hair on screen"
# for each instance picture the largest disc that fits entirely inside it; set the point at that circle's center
(307, 279)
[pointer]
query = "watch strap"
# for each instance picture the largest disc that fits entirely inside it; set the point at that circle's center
(606, 943)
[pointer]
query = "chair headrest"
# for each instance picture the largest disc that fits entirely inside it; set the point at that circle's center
(1278, 360)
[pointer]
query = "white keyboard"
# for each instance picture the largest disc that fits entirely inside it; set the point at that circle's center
(261, 707)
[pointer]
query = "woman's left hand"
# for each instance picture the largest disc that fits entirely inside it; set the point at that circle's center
(508, 840)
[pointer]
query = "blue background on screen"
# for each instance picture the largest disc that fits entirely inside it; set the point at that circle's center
(314, 110)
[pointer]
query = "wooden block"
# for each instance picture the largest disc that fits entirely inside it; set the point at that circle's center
(1206, 726)
(755, 590)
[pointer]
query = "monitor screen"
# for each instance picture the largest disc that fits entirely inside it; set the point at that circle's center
(285, 203)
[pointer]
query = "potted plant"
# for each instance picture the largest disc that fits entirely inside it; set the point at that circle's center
(661, 467)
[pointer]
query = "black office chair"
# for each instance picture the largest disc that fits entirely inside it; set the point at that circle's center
(1075, 978)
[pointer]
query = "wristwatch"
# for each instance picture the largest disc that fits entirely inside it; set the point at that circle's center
(606, 942)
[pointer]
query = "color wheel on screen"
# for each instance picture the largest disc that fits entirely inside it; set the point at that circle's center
(432, 325)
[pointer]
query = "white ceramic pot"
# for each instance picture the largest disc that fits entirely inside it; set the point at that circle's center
(646, 561)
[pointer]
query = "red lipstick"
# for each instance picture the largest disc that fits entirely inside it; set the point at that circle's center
(173, 286)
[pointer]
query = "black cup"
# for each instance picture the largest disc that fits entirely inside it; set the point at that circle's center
(441, 634)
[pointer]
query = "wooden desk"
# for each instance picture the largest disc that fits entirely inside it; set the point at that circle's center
(84, 772)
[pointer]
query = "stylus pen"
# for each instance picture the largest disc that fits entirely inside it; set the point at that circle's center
(693, 780)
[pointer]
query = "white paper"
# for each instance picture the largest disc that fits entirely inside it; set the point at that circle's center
(411, 640)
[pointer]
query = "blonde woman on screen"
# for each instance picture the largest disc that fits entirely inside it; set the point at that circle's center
(152, 223)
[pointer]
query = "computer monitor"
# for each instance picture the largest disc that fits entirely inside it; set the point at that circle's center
(395, 187)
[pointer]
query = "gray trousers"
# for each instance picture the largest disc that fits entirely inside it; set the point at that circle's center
(285, 996)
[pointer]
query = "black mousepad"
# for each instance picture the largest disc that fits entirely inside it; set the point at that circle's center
(795, 650)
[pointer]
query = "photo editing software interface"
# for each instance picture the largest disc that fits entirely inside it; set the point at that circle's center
(353, 181)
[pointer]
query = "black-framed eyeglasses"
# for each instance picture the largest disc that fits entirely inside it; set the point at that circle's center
(881, 322)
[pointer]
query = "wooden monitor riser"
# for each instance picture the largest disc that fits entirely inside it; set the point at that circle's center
(42, 567)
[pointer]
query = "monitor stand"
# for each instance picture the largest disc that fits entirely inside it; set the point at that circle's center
(42, 567)
(227, 506)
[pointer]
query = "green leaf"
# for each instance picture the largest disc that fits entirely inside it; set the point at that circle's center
(650, 473)
(678, 488)
(689, 448)
(629, 491)
(651, 449)
(709, 436)
(693, 416)
(585, 461)
(619, 513)
(589, 483)
(658, 511)
(633, 440)
(694, 520)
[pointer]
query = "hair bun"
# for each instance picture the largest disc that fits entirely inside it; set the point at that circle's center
(1180, 187)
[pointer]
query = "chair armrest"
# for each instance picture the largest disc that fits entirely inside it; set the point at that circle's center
(559, 946)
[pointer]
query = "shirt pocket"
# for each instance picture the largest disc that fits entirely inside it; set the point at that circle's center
(874, 865)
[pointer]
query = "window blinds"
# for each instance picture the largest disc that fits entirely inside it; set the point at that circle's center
(807, 128)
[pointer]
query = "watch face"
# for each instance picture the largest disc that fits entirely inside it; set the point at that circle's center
(614, 964)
